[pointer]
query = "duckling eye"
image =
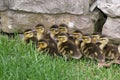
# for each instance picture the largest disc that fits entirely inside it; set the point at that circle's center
(41, 28)
(56, 30)
(43, 44)
(63, 39)
(26, 33)
(86, 39)
(94, 38)
(102, 39)
(39, 43)
(51, 29)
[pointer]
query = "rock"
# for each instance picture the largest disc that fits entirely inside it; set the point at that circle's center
(51, 6)
(14, 21)
(112, 27)
(2, 5)
(110, 7)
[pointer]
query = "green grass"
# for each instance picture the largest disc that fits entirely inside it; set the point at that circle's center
(19, 61)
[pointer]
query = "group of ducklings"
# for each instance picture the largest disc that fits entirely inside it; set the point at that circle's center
(59, 42)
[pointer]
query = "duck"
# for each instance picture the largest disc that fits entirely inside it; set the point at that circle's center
(63, 28)
(92, 51)
(40, 31)
(67, 48)
(77, 35)
(111, 51)
(45, 46)
(54, 31)
(29, 35)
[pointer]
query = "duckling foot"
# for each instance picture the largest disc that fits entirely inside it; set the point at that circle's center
(117, 62)
(100, 65)
(103, 64)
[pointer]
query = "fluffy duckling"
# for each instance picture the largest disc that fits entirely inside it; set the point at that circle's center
(67, 48)
(77, 35)
(91, 50)
(29, 36)
(63, 28)
(95, 37)
(41, 33)
(42, 45)
(111, 51)
(45, 45)
(54, 31)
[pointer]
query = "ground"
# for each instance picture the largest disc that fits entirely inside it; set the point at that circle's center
(19, 61)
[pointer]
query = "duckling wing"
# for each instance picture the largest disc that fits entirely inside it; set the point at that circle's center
(93, 51)
(111, 51)
(52, 46)
(71, 50)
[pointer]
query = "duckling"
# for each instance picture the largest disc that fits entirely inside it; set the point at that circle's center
(29, 36)
(41, 33)
(63, 28)
(67, 48)
(111, 51)
(77, 34)
(95, 37)
(45, 45)
(54, 31)
(42, 45)
(90, 50)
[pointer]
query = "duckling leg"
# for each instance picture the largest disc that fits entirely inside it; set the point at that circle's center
(103, 64)
(116, 61)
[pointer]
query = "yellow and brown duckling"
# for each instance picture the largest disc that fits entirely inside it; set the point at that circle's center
(91, 50)
(45, 45)
(29, 35)
(42, 45)
(111, 51)
(54, 31)
(95, 37)
(67, 48)
(41, 32)
(77, 34)
(63, 28)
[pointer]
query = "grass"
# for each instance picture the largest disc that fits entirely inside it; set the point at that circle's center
(19, 61)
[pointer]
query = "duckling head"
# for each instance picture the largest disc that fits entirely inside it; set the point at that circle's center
(42, 44)
(40, 28)
(62, 37)
(104, 40)
(54, 30)
(86, 38)
(77, 34)
(63, 28)
(95, 37)
(28, 33)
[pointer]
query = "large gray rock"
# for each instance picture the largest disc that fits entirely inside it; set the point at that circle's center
(109, 7)
(51, 6)
(2, 5)
(14, 21)
(112, 27)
